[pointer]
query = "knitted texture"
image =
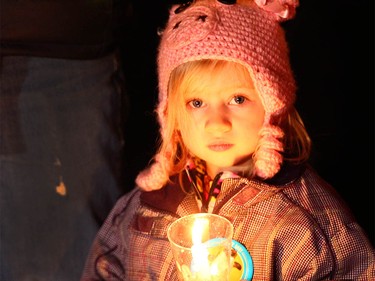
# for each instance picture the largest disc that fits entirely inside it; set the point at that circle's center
(250, 35)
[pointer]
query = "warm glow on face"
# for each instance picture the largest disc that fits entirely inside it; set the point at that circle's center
(223, 117)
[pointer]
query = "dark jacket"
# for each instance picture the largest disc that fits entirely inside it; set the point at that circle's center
(61, 28)
(300, 230)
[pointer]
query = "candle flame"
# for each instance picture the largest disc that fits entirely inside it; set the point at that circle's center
(209, 255)
(199, 228)
(199, 250)
(207, 261)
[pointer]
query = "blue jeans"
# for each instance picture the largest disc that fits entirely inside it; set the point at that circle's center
(61, 147)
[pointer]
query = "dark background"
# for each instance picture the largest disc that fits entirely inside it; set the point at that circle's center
(332, 54)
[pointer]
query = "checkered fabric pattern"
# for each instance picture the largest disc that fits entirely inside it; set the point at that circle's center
(297, 231)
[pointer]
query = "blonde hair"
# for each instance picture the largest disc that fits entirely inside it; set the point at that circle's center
(296, 141)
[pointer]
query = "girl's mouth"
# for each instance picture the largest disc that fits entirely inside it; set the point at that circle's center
(220, 146)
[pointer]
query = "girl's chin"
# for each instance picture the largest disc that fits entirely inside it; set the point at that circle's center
(221, 166)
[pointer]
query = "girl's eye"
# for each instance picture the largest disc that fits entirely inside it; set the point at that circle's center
(195, 103)
(238, 100)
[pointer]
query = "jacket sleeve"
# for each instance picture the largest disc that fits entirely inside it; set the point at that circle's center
(354, 254)
(104, 261)
(310, 255)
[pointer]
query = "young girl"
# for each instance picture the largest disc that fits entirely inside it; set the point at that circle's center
(232, 144)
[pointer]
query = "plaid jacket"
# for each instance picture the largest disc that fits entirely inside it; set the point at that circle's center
(298, 230)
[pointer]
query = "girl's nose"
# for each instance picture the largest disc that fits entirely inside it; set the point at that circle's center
(217, 122)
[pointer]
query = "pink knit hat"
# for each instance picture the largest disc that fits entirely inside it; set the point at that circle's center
(248, 34)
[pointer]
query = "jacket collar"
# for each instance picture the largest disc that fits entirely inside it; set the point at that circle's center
(172, 194)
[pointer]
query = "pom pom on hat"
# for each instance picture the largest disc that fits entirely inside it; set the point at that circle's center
(247, 34)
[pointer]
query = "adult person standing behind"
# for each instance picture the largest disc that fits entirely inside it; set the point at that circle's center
(62, 105)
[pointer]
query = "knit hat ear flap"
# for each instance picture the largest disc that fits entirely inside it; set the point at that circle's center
(267, 157)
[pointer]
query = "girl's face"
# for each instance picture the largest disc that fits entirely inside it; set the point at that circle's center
(224, 116)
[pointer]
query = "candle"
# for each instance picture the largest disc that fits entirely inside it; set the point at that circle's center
(201, 245)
